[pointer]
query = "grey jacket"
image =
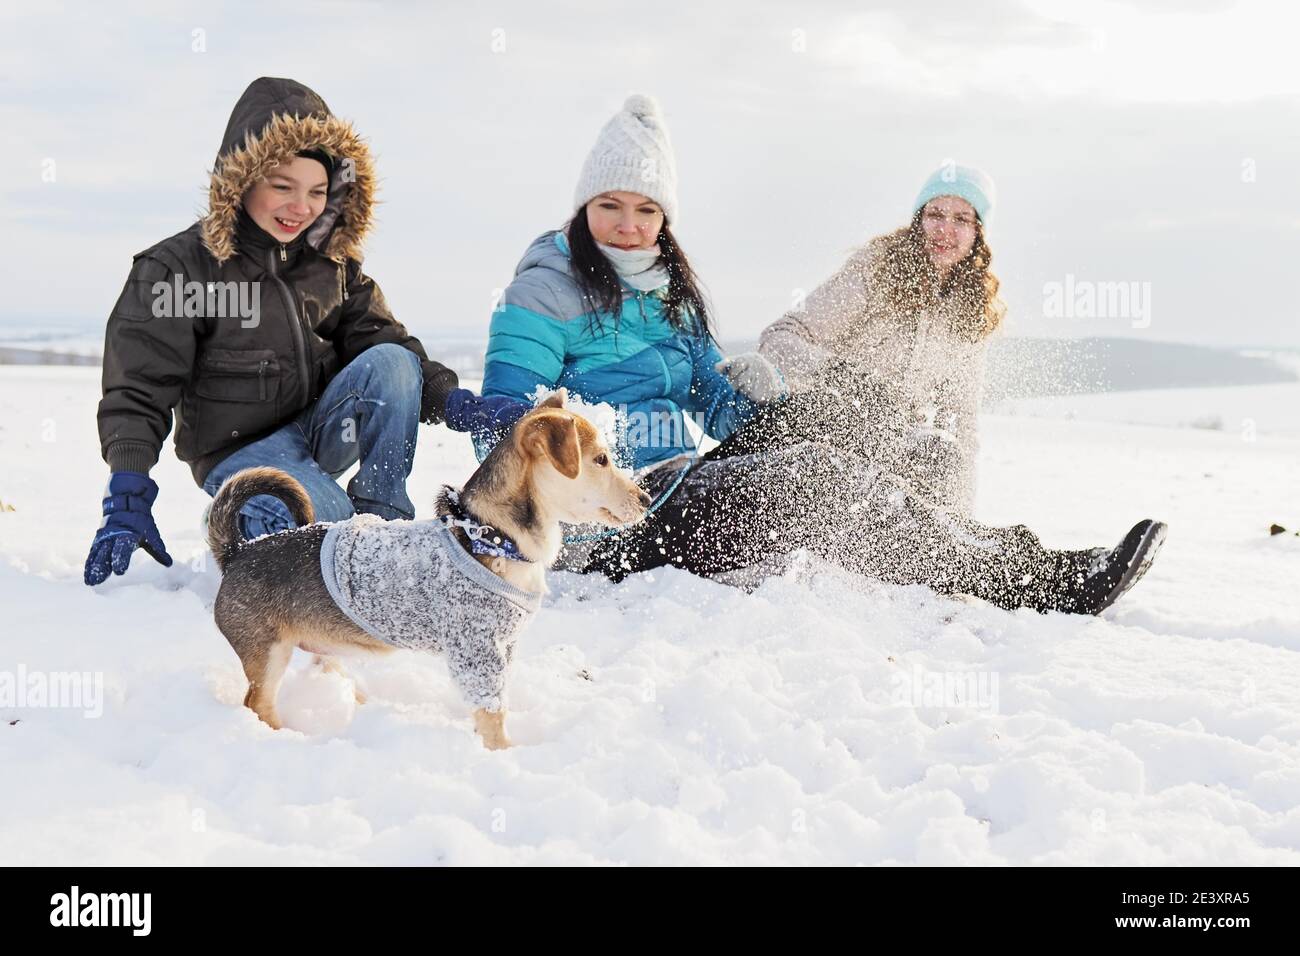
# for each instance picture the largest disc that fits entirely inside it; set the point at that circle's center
(412, 585)
(929, 377)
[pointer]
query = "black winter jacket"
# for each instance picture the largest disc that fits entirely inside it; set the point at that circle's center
(234, 331)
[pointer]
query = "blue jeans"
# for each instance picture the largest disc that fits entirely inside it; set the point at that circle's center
(369, 411)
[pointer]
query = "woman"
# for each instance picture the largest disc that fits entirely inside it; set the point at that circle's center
(899, 334)
(257, 325)
(609, 307)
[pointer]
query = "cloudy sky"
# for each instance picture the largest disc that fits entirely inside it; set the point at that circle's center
(1151, 143)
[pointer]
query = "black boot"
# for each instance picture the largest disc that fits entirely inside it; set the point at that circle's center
(1094, 580)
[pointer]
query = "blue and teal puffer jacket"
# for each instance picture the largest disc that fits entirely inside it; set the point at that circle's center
(543, 333)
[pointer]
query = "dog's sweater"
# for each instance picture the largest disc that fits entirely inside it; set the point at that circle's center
(411, 584)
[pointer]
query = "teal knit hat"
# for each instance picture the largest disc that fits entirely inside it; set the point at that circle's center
(971, 184)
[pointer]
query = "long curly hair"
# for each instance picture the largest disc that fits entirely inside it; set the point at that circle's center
(906, 277)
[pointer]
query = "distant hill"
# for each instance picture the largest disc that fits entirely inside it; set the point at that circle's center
(1033, 367)
(1018, 367)
(25, 356)
(1027, 367)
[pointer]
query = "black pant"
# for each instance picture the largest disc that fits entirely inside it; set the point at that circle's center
(741, 507)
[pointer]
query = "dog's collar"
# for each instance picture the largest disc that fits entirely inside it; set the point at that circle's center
(483, 538)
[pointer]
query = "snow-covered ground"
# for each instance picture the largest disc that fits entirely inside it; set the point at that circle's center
(1241, 411)
(821, 719)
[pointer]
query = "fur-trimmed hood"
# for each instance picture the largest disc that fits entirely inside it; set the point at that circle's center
(273, 121)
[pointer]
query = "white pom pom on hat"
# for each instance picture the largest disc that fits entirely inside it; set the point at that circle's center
(634, 154)
(641, 104)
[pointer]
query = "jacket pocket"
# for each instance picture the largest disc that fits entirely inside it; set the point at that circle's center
(238, 375)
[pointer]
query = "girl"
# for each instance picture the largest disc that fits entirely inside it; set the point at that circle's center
(902, 328)
(610, 308)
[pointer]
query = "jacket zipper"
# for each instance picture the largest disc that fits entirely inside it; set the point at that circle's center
(239, 368)
(299, 340)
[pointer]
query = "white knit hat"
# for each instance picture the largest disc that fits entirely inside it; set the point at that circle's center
(632, 154)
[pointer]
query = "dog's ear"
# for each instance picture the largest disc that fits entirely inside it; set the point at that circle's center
(555, 437)
(556, 399)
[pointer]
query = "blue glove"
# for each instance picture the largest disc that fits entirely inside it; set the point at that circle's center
(484, 417)
(128, 525)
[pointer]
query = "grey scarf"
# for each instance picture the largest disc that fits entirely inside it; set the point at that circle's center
(639, 268)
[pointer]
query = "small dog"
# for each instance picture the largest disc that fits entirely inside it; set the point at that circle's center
(464, 583)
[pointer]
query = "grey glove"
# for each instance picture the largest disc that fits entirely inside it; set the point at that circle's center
(753, 376)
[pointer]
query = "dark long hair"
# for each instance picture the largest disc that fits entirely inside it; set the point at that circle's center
(685, 304)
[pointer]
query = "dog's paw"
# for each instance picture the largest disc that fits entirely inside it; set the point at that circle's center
(491, 727)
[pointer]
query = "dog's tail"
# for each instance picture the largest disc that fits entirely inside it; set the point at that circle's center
(224, 536)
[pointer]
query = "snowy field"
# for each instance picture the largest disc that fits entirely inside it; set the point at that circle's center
(821, 719)
(1241, 411)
